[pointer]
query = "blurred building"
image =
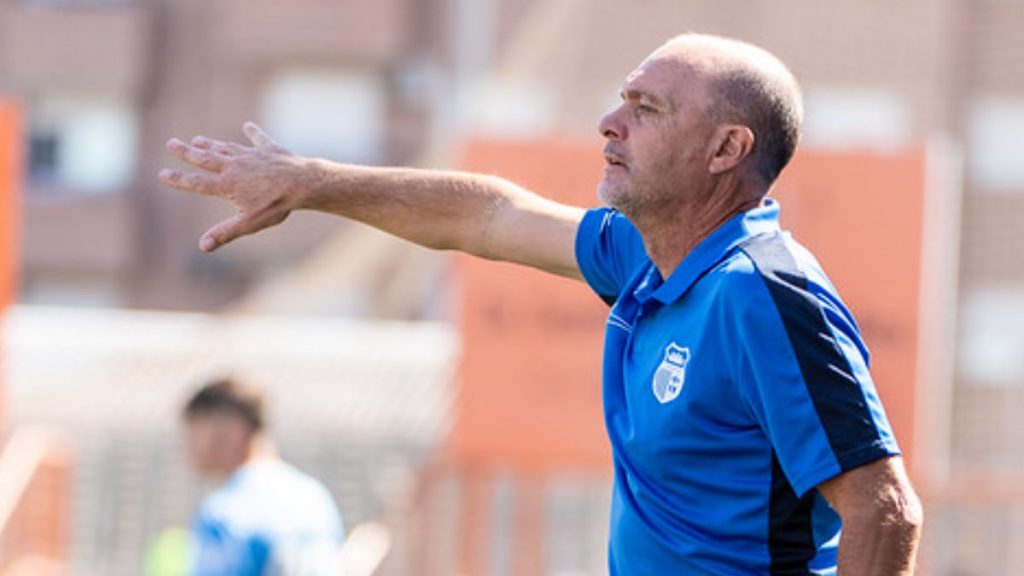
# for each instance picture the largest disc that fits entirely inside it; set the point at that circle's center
(106, 83)
(404, 81)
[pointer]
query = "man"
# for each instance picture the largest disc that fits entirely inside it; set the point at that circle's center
(266, 517)
(744, 424)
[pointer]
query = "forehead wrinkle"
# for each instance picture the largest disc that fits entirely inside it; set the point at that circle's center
(661, 91)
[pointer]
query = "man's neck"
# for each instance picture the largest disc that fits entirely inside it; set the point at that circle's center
(260, 449)
(670, 236)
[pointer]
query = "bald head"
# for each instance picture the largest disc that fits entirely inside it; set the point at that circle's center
(747, 85)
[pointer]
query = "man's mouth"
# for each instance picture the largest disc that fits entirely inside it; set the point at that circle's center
(615, 160)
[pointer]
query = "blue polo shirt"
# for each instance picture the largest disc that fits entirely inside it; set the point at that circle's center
(731, 390)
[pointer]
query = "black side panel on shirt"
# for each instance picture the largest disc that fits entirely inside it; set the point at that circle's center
(837, 396)
(609, 300)
(790, 533)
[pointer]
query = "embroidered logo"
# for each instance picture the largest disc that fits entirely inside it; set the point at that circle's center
(671, 373)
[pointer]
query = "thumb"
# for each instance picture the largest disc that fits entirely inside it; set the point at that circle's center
(226, 231)
(239, 225)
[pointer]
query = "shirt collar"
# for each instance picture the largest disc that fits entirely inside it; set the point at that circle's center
(761, 220)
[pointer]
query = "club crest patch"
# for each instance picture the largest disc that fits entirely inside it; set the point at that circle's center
(671, 373)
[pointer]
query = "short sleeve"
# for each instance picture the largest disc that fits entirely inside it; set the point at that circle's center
(804, 375)
(609, 251)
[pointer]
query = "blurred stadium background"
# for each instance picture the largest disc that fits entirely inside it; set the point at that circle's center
(457, 402)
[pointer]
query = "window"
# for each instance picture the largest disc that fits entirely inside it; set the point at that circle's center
(843, 118)
(512, 108)
(83, 144)
(42, 155)
(995, 141)
(337, 115)
(992, 336)
(61, 290)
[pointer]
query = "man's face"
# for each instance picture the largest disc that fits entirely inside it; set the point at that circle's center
(657, 139)
(215, 441)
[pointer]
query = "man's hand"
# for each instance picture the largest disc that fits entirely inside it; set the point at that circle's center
(482, 215)
(264, 181)
(881, 516)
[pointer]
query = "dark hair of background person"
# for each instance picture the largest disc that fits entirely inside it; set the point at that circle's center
(227, 396)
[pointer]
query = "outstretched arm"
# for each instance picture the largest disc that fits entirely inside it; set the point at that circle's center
(483, 215)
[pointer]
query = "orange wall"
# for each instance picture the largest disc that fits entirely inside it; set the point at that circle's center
(530, 372)
(9, 163)
(9, 174)
(530, 377)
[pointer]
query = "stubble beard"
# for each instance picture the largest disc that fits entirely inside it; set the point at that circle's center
(608, 194)
(635, 200)
(626, 197)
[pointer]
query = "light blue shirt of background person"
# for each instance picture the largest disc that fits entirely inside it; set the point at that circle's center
(269, 518)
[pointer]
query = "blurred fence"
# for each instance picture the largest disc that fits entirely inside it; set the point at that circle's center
(474, 519)
(34, 482)
(975, 528)
(360, 405)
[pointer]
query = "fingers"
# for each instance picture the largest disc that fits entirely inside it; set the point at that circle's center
(227, 149)
(215, 156)
(205, 159)
(189, 182)
(257, 135)
(202, 142)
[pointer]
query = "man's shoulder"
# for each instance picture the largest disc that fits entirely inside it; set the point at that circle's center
(795, 284)
(307, 495)
(261, 479)
(735, 281)
(265, 494)
(776, 256)
(281, 475)
(780, 259)
(770, 272)
(786, 271)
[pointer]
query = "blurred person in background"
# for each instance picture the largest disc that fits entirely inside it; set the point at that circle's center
(265, 517)
(747, 435)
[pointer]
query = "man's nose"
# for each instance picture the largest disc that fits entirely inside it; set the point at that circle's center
(611, 126)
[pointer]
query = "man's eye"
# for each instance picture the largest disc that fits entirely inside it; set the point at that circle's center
(645, 108)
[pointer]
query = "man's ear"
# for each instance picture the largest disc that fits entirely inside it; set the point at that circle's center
(732, 143)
